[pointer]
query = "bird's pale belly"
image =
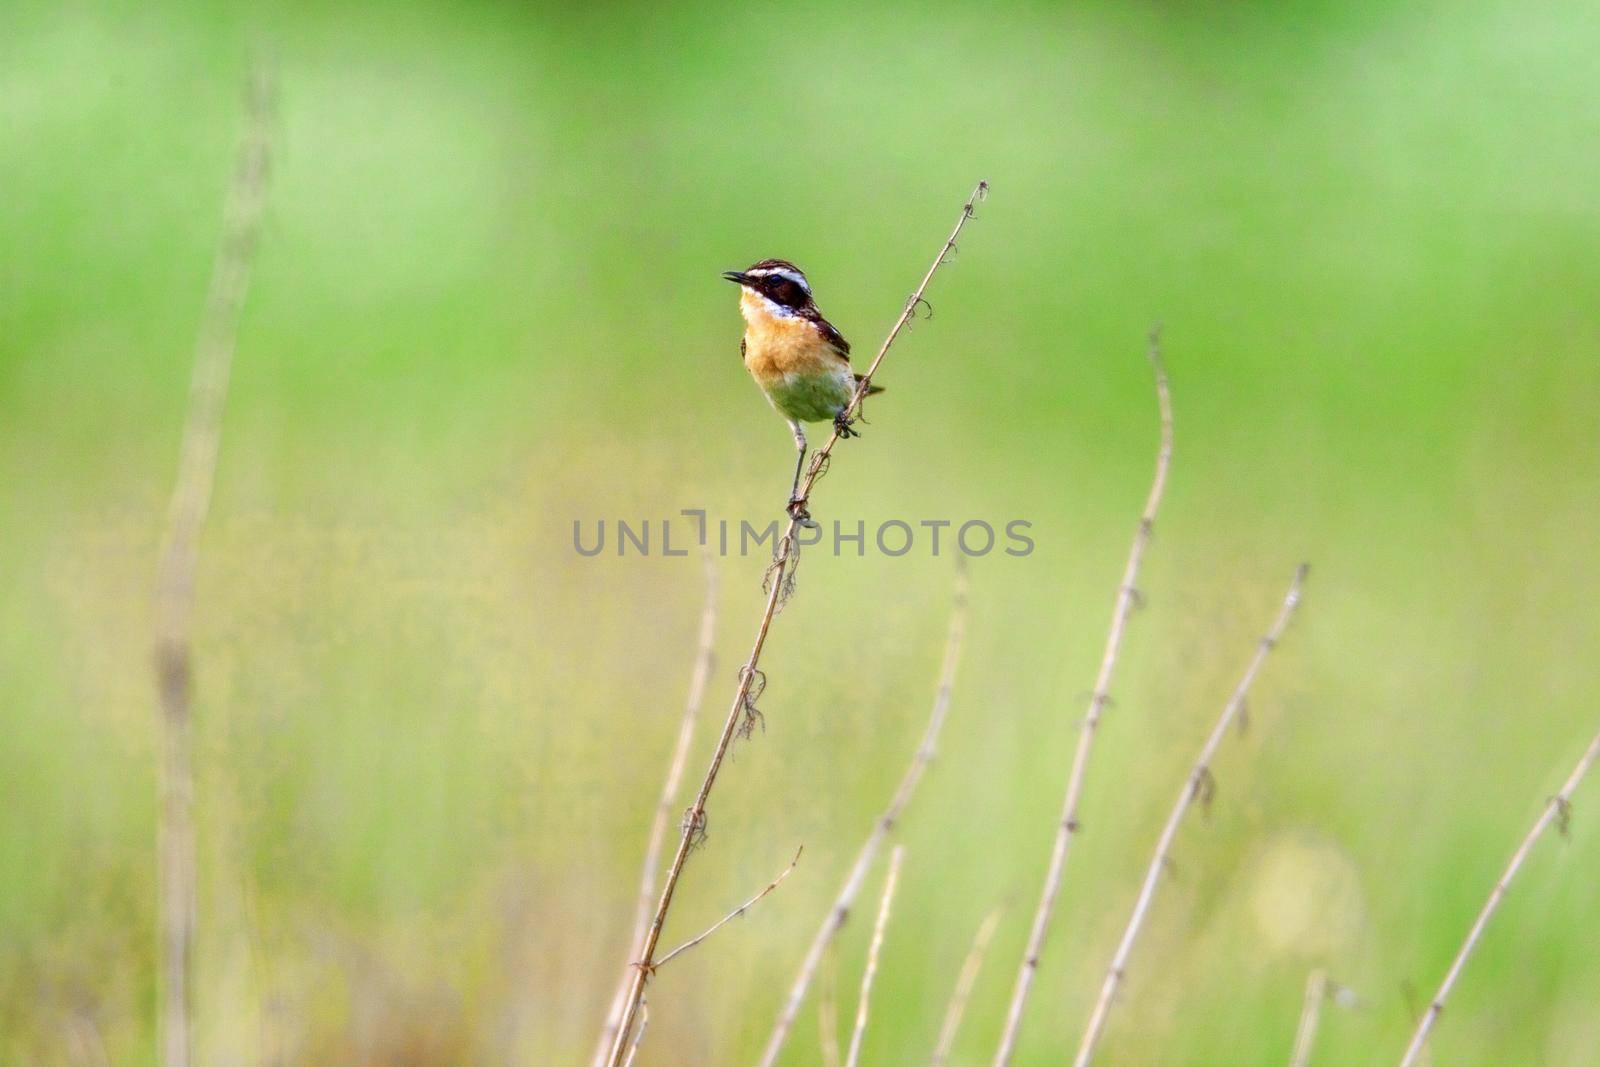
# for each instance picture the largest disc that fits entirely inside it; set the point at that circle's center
(803, 376)
(811, 397)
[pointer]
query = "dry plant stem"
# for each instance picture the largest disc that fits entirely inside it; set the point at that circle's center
(84, 1044)
(1556, 810)
(732, 915)
(694, 818)
(1100, 696)
(638, 1037)
(1310, 1016)
(828, 1012)
(175, 575)
(963, 991)
(881, 828)
(704, 657)
(820, 459)
(853, 1057)
(1195, 786)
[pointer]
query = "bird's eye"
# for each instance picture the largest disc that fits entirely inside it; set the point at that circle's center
(787, 293)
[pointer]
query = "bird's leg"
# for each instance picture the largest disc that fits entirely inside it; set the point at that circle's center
(845, 426)
(797, 506)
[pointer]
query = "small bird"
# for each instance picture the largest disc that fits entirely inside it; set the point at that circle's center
(795, 355)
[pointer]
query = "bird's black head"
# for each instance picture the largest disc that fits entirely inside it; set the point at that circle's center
(778, 280)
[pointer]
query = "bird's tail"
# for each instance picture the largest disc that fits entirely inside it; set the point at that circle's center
(871, 389)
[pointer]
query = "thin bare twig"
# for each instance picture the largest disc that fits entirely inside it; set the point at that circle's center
(965, 982)
(638, 1035)
(694, 819)
(1555, 811)
(821, 459)
(853, 1057)
(1319, 989)
(828, 1010)
(881, 827)
(1310, 1016)
(732, 915)
(1100, 697)
(175, 575)
(1194, 786)
(704, 657)
(84, 1043)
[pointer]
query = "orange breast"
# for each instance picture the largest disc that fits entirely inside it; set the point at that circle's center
(774, 346)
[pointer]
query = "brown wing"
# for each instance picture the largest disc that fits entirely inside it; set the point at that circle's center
(832, 336)
(741, 350)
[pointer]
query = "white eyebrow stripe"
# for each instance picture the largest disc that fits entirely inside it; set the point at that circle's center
(782, 272)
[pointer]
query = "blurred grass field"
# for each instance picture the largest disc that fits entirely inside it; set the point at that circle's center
(486, 304)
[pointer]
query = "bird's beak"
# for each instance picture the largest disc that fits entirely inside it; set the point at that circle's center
(738, 277)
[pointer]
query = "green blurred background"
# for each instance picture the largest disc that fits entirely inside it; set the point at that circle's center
(486, 304)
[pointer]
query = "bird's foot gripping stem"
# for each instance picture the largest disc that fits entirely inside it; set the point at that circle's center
(845, 426)
(797, 511)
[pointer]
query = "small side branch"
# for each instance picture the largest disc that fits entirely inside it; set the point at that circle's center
(926, 749)
(732, 915)
(965, 981)
(1310, 1016)
(701, 674)
(739, 711)
(175, 575)
(1193, 787)
(853, 1057)
(638, 1035)
(1319, 990)
(1555, 811)
(1067, 828)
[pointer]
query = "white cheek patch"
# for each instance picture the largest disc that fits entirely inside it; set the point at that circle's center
(770, 307)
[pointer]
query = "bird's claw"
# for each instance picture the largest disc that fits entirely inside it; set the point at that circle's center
(845, 426)
(797, 511)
